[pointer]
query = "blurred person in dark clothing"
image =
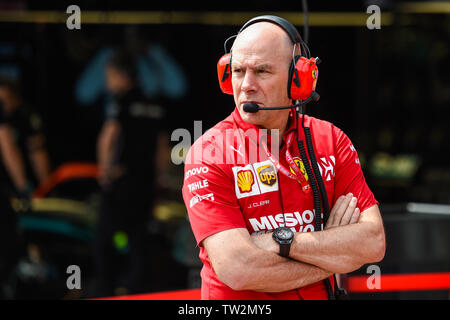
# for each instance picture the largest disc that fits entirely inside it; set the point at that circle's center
(11, 163)
(27, 129)
(132, 152)
(24, 164)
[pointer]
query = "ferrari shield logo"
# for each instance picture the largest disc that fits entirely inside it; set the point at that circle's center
(301, 166)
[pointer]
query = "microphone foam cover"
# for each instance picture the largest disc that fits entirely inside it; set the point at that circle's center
(250, 107)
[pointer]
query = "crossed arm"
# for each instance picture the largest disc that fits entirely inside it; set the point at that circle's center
(349, 240)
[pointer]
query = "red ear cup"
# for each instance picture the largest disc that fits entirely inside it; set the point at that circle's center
(224, 74)
(303, 79)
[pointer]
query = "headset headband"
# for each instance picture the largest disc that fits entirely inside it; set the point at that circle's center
(290, 29)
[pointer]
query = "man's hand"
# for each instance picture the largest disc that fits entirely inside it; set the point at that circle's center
(344, 212)
(107, 175)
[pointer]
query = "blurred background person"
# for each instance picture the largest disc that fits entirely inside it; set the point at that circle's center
(24, 165)
(132, 152)
(27, 128)
(13, 170)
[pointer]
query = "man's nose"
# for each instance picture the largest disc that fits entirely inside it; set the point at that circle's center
(249, 83)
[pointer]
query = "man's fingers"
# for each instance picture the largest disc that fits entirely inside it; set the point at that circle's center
(348, 212)
(355, 216)
(340, 211)
(337, 204)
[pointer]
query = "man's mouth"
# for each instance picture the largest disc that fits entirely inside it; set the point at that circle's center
(250, 101)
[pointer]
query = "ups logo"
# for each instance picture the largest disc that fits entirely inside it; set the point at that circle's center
(267, 175)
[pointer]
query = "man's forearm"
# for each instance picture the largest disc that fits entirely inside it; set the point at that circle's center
(105, 144)
(104, 152)
(340, 250)
(41, 164)
(242, 265)
(345, 248)
(321, 249)
(12, 158)
(272, 273)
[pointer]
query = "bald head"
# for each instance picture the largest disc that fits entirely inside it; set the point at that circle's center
(264, 36)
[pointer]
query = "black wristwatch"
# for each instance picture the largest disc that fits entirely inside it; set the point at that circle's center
(283, 236)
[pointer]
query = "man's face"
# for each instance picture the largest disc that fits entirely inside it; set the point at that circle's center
(4, 94)
(260, 67)
(6, 98)
(116, 82)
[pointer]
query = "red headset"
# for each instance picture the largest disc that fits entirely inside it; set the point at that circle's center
(303, 70)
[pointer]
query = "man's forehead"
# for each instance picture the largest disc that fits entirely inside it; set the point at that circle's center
(262, 42)
(262, 33)
(253, 62)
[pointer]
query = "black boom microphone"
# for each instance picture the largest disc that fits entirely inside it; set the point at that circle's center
(252, 107)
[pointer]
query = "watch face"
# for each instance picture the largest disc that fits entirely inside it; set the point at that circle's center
(284, 233)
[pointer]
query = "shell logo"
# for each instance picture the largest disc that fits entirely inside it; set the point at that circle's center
(245, 180)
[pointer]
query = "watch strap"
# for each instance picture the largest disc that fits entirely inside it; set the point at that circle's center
(284, 250)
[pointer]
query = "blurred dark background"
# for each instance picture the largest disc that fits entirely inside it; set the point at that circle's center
(387, 88)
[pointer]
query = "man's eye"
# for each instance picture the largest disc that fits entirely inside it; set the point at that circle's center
(237, 70)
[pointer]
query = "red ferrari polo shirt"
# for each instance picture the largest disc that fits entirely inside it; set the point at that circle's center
(230, 182)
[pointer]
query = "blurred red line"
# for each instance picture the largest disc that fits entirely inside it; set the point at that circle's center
(191, 294)
(401, 282)
(67, 171)
(388, 282)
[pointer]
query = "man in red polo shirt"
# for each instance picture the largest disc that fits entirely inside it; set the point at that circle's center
(237, 195)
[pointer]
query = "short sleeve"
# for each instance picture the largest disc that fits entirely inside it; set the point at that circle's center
(349, 174)
(211, 202)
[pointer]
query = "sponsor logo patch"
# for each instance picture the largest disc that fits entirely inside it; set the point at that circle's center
(326, 167)
(198, 198)
(297, 221)
(198, 185)
(301, 166)
(254, 179)
(245, 181)
(195, 171)
(267, 175)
